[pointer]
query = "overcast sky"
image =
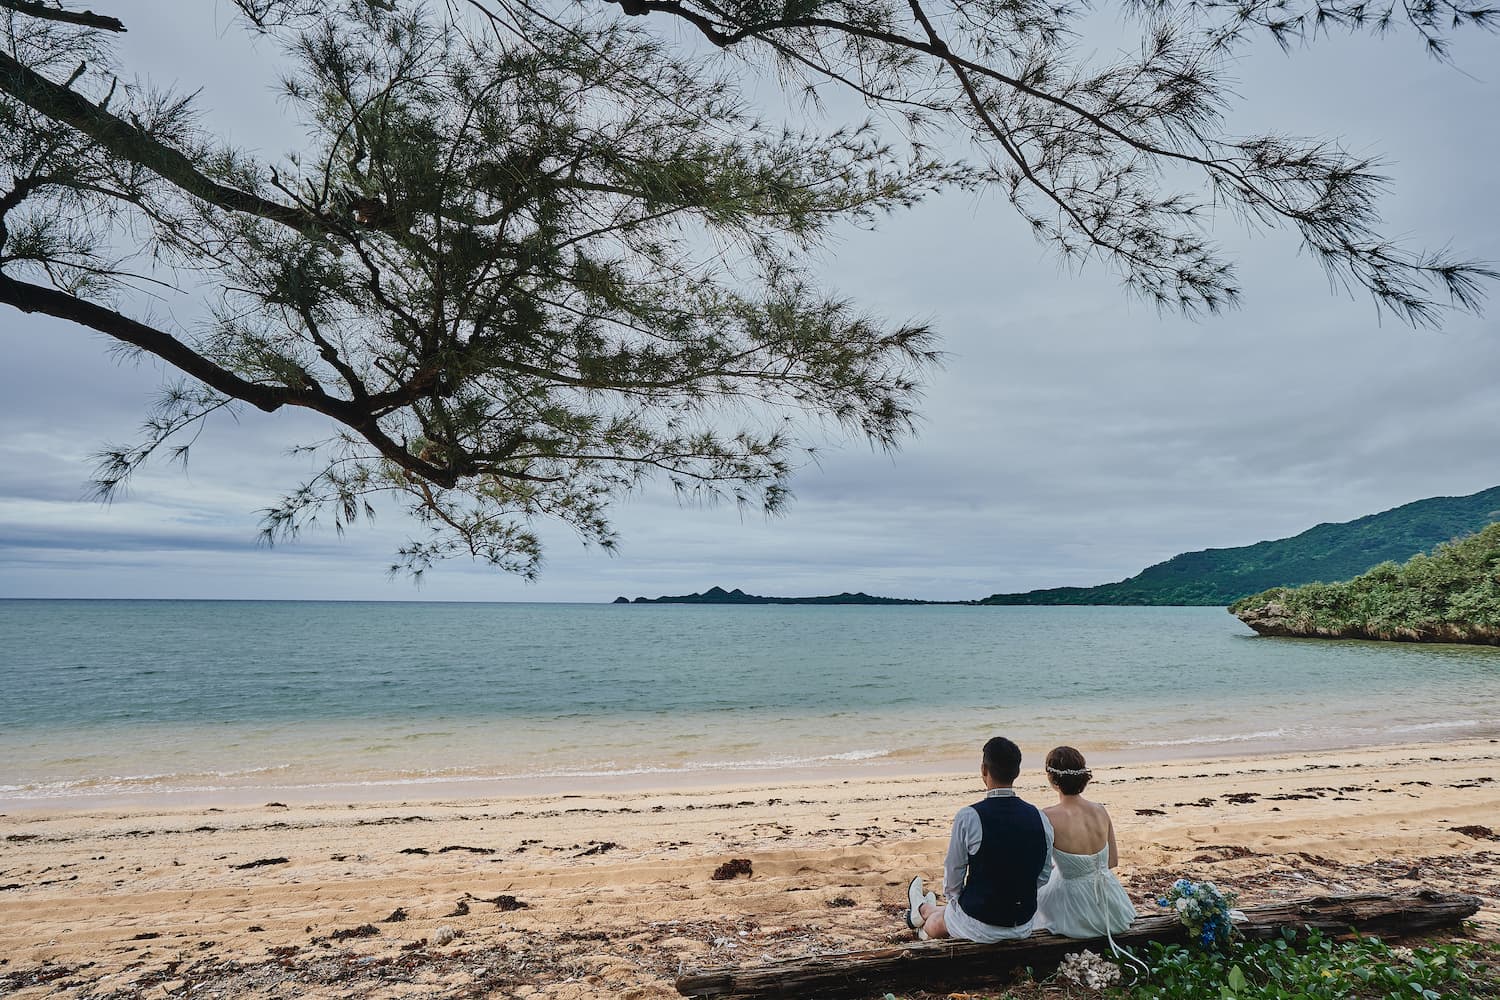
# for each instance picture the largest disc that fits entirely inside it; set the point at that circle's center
(1074, 437)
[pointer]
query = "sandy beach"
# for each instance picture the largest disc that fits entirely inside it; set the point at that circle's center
(611, 893)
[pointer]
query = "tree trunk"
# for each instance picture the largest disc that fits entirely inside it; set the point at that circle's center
(953, 964)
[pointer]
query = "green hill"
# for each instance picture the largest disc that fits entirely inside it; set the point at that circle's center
(1452, 595)
(1324, 553)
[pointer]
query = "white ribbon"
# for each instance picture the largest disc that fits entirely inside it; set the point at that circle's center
(1097, 876)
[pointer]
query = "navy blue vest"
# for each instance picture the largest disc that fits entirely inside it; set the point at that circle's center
(1001, 887)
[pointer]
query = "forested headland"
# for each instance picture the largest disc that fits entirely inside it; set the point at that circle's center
(1451, 595)
(1216, 577)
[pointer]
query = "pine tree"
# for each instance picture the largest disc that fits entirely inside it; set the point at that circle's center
(530, 254)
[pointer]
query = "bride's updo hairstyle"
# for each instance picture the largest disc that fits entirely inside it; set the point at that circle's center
(1068, 771)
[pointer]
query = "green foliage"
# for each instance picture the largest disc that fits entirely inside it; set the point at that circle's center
(1315, 967)
(1216, 577)
(1454, 593)
(522, 265)
(1321, 968)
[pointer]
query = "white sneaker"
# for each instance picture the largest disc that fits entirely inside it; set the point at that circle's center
(915, 897)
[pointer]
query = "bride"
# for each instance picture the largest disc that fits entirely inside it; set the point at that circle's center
(1082, 899)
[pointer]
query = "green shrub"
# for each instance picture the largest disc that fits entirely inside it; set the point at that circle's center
(1319, 968)
(1457, 586)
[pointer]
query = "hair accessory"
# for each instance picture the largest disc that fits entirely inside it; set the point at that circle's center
(1068, 770)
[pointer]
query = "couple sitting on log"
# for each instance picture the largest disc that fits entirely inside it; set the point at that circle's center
(1012, 868)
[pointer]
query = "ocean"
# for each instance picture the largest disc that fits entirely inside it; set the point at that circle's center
(110, 701)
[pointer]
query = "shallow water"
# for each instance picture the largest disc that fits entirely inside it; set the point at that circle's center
(123, 697)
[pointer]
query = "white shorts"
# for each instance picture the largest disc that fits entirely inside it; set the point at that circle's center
(961, 925)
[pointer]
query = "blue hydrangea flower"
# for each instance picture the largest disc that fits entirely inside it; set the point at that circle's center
(1203, 909)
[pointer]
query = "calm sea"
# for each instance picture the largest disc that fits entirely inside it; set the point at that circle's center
(112, 699)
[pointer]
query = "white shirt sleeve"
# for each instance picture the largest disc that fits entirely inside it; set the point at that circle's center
(968, 834)
(1046, 874)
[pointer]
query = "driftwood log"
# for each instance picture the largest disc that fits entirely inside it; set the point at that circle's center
(935, 965)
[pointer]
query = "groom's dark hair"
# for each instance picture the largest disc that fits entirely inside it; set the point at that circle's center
(1002, 759)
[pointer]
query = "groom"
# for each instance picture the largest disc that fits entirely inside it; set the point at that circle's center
(997, 859)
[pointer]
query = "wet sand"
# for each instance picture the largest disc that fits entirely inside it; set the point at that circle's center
(603, 892)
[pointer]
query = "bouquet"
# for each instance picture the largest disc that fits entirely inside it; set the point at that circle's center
(1203, 909)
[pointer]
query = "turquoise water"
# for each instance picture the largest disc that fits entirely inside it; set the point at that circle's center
(123, 697)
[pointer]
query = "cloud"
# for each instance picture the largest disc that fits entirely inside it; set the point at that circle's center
(1073, 437)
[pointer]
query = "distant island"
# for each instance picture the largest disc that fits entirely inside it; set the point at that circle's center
(718, 595)
(1452, 595)
(1217, 577)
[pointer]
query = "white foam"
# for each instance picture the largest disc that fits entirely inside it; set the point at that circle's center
(1267, 734)
(1322, 734)
(145, 783)
(762, 764)
(1418, 727)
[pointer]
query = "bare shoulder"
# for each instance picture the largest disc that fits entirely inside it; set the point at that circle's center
(1097, 813)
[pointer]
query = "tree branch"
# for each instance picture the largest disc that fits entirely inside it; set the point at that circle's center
(86, 18)
(939, 49)
(31, 298)
(133, 144)
(270, 398)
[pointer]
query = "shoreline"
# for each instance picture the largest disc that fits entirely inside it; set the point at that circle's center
(577, 894)
(833, 767)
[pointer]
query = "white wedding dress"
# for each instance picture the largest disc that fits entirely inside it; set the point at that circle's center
(1083, 899)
